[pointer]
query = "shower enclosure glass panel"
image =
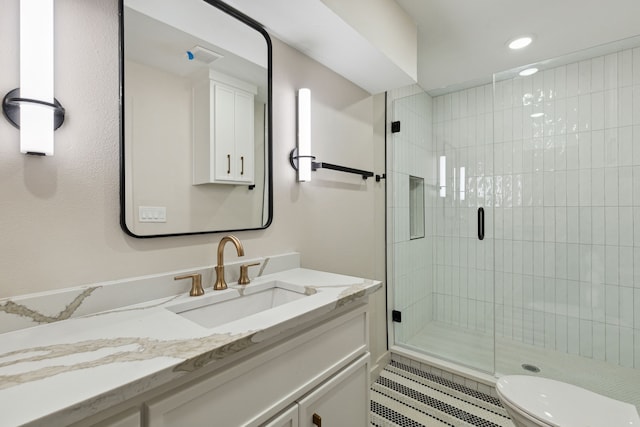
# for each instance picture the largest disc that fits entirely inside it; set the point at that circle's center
(567, 283)
(554, 161)
(443, 283)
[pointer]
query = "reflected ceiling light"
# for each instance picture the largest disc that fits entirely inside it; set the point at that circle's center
(520, 42)
(536, 115)
(528, 72)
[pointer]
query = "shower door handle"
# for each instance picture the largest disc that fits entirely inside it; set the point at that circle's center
(481, 223)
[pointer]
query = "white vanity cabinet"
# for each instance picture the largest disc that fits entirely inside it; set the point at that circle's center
(223, 130)
(295, 363)
(323, 371)
(341, 401)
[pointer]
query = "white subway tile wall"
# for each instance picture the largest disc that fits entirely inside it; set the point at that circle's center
(559, 180)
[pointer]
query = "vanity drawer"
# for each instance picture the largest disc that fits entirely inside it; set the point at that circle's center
(257, 389)
(129, 418)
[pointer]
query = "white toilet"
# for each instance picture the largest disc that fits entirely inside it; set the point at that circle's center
(534, 402)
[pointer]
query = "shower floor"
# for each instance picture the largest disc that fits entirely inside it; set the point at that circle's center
(475, 350)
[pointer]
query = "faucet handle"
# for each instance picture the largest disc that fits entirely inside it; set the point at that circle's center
(244, 273)
(196, 283)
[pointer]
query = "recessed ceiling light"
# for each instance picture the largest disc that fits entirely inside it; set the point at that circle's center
(520, 42)
(528, 72)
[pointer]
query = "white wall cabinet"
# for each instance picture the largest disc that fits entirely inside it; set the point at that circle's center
(324, 371)
(223, 130)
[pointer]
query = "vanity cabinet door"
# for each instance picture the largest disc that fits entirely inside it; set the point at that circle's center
(288, 418)
(341, 401)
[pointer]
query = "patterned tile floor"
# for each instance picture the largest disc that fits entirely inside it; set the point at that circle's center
(407, 397)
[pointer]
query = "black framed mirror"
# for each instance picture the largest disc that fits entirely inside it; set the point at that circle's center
(195, 122)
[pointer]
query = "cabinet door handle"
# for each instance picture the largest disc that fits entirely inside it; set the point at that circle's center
(228, 163)
(242, 164)
(316, 420)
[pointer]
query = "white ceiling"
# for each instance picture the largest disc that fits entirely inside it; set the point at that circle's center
(159, 35)
(461, 43)
(464, 41)
(317, 31)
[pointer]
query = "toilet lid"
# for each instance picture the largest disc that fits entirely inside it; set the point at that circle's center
(564, 405)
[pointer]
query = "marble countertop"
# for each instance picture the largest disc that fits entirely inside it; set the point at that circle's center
(62, 372)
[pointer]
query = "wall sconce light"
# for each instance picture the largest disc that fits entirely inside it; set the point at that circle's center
(301, 157)
(32, 107)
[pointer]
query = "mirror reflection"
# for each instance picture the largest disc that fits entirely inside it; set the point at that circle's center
(196, 114)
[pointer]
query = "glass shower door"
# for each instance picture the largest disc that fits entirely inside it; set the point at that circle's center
(443, 282)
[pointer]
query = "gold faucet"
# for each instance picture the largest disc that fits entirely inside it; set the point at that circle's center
(220, 282)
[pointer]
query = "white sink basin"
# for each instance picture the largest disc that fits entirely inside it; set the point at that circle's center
(218, 308)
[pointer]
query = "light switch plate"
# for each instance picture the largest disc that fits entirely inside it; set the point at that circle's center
(152, 214)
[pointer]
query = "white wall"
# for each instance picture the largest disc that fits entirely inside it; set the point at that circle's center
(158, 131)
(60, 215)
(387, 26)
